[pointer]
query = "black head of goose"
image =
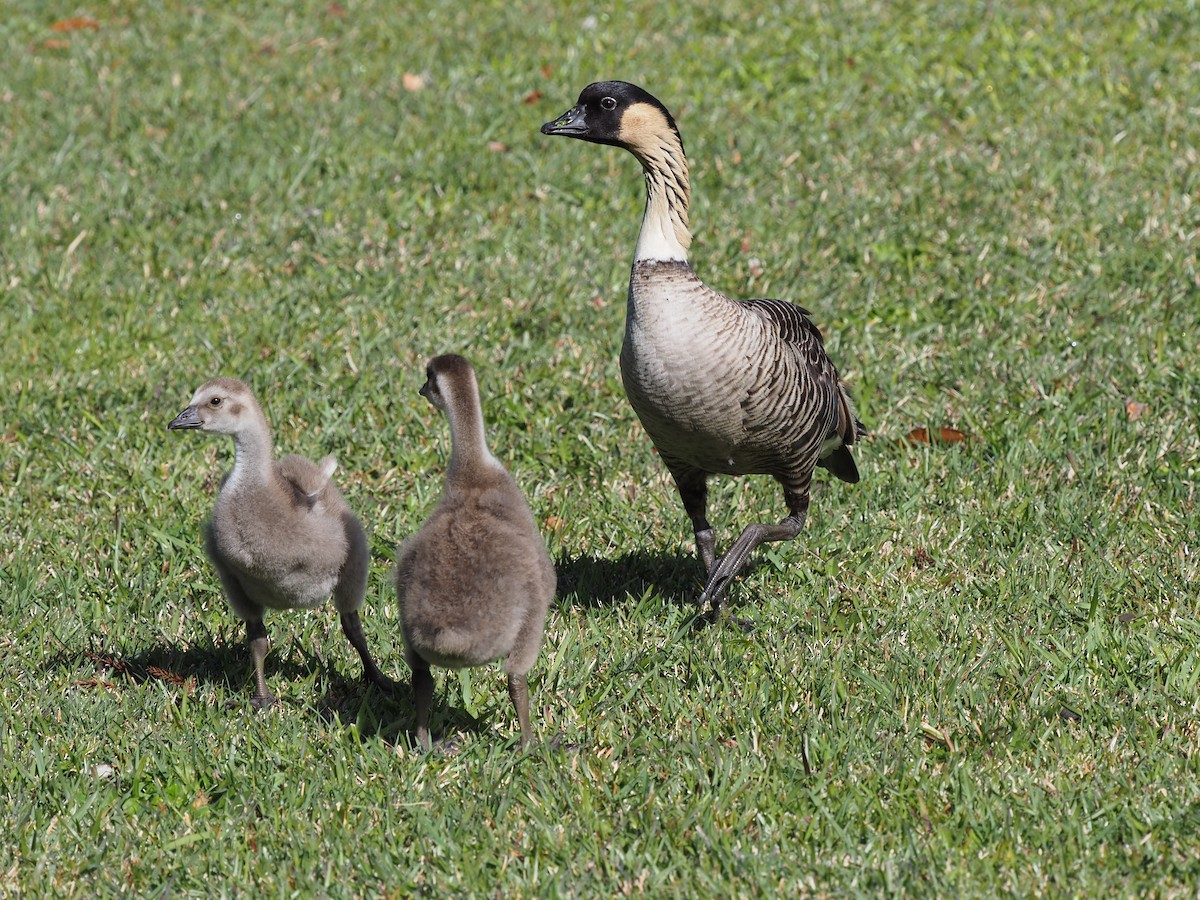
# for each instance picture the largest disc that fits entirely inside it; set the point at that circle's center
(281, 535)
(722, 386)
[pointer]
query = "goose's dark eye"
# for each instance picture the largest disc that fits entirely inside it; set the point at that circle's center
(215, 401)
(608, 103)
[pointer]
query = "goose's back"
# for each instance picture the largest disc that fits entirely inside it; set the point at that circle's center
(735, 387)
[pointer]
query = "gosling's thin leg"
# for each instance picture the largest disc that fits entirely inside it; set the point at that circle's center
(422, 684)
(352, 627)
(518, 692)
(733, 560)
(256, 637)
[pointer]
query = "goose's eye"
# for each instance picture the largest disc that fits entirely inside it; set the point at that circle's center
(608, 103)
(215, 401)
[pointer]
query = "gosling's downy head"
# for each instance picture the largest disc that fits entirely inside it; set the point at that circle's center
(220, 406)
(445, 378)
(616, 113)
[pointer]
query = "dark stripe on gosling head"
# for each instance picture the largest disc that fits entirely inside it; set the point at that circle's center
(441, 374)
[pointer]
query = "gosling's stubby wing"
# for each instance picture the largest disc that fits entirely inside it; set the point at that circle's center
(820, 394)
(308, 480)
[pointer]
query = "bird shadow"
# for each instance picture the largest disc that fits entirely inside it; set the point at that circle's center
(390, 716)
(218, 663)
(347, 700)
(594, 582)
(226, 664)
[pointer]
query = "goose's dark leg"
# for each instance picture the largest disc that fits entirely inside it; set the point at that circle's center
(352, 627)
(693, 491)
(518, 691)
(735, 557)
(422, 684)
(256, 637)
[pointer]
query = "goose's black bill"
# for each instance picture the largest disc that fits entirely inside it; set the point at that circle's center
(572, 123)
(189, 418)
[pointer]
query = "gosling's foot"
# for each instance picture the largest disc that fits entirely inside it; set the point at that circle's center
(264, 701)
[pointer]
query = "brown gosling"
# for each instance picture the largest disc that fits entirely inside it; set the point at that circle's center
(281, 535)
(475, 583)
(722, 386)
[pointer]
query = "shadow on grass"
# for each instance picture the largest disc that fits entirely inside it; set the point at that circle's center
(391, 717)
(226, 663)
(592, 582)
(348, 700)
(676, 577)
(220, 663)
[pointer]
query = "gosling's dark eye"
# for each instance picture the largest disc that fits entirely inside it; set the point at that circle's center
(608, 103)
(215, 401)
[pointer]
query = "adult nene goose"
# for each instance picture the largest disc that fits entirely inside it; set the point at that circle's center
(281, 535)
(722, 386)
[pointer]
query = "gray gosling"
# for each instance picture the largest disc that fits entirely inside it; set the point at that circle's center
(722, 386)
(281, 535)
(475, 583)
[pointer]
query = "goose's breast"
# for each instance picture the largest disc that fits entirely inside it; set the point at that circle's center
(286, 558)
(686, 364)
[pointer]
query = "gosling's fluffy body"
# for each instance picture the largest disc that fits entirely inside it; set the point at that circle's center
(722, 386)
(288, 543)
(475, 583)
(281, 535)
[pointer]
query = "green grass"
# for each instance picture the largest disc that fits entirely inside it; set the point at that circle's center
(976, 672)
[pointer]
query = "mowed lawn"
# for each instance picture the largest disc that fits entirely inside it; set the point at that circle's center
(975, 673)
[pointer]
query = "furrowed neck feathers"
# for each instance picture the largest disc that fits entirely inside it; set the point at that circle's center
(665, 234)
